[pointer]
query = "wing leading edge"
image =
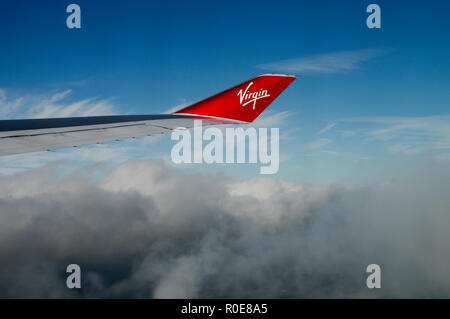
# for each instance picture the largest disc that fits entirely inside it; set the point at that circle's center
(240, 104)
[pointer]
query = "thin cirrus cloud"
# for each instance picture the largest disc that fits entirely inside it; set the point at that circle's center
(326, 128)
(333, 62)
(409, 135)
(51, 105)
(319, 143)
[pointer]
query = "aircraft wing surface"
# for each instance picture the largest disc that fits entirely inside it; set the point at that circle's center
(239, 104)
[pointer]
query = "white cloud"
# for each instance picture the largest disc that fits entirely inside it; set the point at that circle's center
(326, 128)
(347, 133)
(410, 135)
(52, 105)
(319, 143)
(331, 152)
(146, 230)
(8, 106)
(272, 119)
(333, 62)
(177, 107)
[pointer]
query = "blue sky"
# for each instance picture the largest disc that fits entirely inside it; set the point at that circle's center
(366, 100)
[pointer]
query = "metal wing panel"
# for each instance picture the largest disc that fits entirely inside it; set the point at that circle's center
(47, 138)
(50, 141)
(34, 135)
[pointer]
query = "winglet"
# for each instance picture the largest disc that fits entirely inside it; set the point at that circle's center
(243, 102)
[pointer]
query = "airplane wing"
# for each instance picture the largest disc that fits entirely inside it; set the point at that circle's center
(240, 104)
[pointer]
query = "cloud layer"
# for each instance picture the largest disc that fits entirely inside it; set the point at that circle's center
(333, 62)
(146, 230)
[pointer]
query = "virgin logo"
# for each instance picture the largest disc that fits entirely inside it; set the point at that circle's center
(247, 97)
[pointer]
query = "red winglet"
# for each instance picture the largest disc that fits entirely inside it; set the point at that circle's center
(243, 102)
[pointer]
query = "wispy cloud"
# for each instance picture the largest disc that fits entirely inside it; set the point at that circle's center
(9, 106)
(326, 128)
(272, 119)
(319, 143)
(51, 105)
(410, 135)
(333, 62)
(331, 152)
(347, 133)
(177, 107)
